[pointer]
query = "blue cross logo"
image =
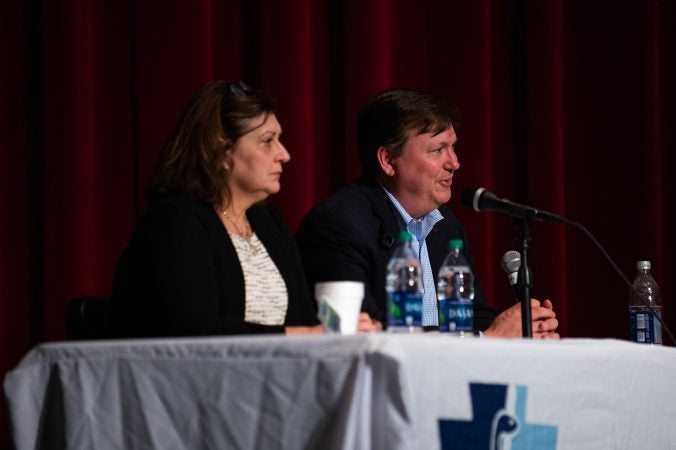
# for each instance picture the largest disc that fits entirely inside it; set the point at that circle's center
(492, 425)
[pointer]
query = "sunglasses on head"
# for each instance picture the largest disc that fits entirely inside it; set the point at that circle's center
(240, 88)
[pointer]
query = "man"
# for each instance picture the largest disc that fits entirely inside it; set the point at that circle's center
(406, 140)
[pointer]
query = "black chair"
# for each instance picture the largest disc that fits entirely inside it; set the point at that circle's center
(88, 318)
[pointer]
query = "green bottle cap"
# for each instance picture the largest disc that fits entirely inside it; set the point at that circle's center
(405, 236)
(455, 243)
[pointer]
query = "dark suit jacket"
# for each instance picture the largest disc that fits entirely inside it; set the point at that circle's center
(351, 236)
(180, 275)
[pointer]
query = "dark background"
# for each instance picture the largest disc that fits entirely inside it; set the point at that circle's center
(566, 105)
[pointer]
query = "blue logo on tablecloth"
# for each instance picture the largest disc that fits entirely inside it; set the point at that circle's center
(493, 427)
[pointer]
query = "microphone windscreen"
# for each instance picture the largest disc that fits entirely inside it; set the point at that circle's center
(511, 263)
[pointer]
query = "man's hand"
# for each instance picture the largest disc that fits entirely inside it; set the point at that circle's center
(367, 325)
(508, 323)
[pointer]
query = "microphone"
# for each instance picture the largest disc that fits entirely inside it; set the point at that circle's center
(386, 241)
(511, 263)
(481, 199)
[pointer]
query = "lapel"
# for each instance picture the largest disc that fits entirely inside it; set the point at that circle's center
(231, 276)
(383, 212)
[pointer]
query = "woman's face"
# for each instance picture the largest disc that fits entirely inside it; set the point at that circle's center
(255, 162)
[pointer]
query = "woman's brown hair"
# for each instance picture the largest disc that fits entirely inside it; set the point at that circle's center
(191, 161)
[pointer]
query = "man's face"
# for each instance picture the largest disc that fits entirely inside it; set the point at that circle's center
(423, 172)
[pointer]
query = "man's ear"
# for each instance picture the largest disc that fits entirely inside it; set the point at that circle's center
(386, 161)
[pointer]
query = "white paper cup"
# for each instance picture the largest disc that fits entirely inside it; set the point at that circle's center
(339, 305)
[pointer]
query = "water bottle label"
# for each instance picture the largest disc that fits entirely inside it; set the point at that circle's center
(405, 309)
(645, 328)
(456, 316)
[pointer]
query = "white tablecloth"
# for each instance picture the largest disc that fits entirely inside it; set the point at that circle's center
(361, 392)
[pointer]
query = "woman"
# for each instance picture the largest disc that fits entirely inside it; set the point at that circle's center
(208, 258)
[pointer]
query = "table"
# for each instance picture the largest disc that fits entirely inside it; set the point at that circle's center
(371, 391)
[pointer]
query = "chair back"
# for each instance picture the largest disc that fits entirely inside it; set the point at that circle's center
(88, 318)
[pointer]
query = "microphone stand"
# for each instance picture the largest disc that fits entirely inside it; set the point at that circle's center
(525, 283)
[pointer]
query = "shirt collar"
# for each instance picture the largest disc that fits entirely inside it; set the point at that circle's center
(419, 227)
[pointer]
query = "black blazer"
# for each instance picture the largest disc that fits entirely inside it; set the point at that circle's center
(352, 234)
(180, 275)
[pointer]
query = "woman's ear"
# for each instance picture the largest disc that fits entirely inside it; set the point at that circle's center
(386, 161)
(227, 154)
(227, 161)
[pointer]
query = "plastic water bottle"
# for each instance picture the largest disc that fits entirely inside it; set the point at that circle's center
(404, 288)
(455, 292)
(645, 307)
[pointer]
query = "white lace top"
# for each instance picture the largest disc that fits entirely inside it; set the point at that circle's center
(266, 298)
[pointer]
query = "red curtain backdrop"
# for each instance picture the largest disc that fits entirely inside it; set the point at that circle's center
(566, 105)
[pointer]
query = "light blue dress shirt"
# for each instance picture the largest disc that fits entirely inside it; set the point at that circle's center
(420, 228)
